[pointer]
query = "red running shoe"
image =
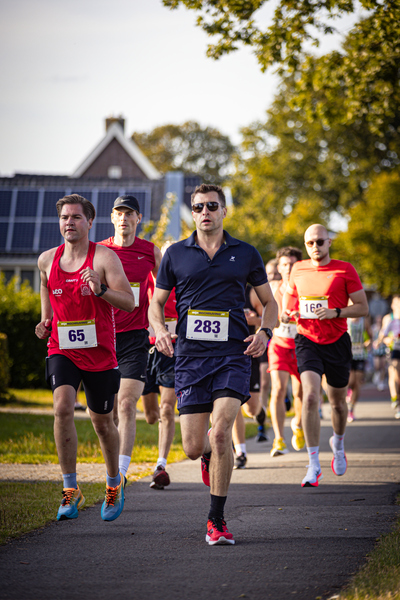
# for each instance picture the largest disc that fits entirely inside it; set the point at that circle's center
(160, 479)
(217, 532)
(205, 468)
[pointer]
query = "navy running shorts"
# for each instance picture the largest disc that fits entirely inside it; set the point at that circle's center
(132, 349)
(160, 372)
(100, 386)
(200, 381)
(332, 359)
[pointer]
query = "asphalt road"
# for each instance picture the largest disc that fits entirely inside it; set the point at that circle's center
(291, 542)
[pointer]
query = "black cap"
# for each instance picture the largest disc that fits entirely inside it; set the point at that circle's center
(128, 201)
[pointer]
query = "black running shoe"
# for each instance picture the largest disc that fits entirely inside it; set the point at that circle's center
(261, 435)
(240, 462)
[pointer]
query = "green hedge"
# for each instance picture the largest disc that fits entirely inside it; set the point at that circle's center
(19, 314)
(4, 365)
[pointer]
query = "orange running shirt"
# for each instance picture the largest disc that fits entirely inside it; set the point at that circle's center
(336, 281)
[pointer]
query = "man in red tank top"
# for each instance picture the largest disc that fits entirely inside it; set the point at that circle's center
(80, 285)
(318, 297)
(139, 259)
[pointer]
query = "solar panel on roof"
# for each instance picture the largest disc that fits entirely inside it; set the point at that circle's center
(105, 202)
(49, 203)
(23, 237)
(50, 236)
(87, 194)
(3, 235)
(5, 202)
(104, 231)
(27, 203)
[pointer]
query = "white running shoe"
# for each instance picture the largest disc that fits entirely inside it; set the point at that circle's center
(313, 476)
(339, 460)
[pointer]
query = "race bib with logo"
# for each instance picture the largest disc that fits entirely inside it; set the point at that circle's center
(208, 325)
(74, 335)
(135, 287)
(308, 304)
(286, 330)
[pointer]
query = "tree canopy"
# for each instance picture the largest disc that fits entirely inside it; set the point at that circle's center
(190, 148)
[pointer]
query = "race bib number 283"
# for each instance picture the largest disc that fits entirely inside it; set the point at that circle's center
(207, 325)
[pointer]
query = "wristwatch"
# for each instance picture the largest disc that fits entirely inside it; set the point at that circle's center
(338, 311)
(267, 331)
(104, 288)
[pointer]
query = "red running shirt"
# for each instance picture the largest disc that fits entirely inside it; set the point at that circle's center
(169, 308)
(72, 300)
(284, 342)
(335, 280)
(138, 261)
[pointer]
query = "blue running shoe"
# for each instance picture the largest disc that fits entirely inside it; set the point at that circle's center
(72, 500)
(113, 502)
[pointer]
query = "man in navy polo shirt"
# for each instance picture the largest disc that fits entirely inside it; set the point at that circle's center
(209, 272)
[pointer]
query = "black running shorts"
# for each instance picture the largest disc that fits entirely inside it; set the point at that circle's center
(100, 386)
(332, 359)
(132, 350)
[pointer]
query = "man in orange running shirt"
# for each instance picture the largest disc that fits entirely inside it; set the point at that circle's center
(317, 296)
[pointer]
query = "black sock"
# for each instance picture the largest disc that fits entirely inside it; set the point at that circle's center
(217, 506)
(260, 418)
(207, 455)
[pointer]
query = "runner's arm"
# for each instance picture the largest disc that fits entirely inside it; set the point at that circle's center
(157, 259)
(259, 341)
(359, 308)
(43, 329)
(289, 305)
(157, 321)
(108, 269)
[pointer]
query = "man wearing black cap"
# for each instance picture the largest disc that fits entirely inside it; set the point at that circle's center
(139, 257)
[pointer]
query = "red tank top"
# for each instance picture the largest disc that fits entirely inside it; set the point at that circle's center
(73, 301)
(138, 261)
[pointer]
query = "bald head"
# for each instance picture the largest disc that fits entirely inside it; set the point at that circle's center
(316, 230)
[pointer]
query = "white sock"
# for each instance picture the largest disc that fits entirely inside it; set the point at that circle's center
(338, 441)
(161, 461)
(124, 462)
(313, 455)
(240, 449)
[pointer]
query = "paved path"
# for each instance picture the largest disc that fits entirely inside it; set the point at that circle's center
(290, 542)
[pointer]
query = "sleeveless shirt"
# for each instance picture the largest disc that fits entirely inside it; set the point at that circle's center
(138, 261)
(72, 300)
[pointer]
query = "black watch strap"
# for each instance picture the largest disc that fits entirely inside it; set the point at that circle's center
(338, 311)
(104, 288)
(267, 331)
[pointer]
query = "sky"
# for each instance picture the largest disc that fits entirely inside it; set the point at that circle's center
(66, 66)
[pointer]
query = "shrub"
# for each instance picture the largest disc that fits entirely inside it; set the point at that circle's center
(19, 314)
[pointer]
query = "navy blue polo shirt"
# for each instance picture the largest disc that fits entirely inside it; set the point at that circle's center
(216, 285)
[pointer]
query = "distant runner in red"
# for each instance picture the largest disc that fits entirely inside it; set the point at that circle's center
(80, 285)
(139, 259)
(317, 296)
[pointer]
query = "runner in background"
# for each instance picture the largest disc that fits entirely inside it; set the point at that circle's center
(379, 355)
(283, 363)
(390, 335)
(360, 335)
(160, 380)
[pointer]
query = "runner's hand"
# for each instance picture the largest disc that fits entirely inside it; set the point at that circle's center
(164, 342)
(43, 329)
(289, 315)
(92, 278)
(325, 313)
(258, 345)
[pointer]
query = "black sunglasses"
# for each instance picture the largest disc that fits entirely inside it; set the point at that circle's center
(319, 242)
(212, 206)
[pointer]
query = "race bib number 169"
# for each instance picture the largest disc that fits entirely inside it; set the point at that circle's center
(207, 325)
(308, 304)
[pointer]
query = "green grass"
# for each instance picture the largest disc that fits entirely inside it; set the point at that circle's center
(28, 438)
(379, 579)
(28, 506)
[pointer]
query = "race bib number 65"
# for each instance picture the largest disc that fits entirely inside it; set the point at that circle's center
(74, 335)
(207, 325)
(308, 304)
